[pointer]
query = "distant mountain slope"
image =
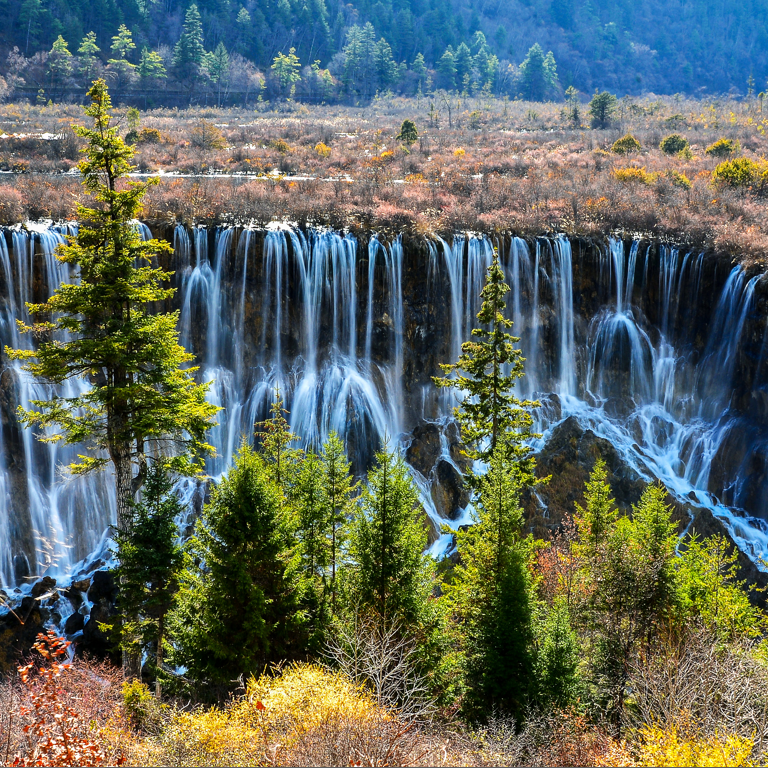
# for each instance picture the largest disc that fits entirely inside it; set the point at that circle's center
(627, 46)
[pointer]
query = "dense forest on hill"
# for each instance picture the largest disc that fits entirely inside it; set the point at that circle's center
(361, 47)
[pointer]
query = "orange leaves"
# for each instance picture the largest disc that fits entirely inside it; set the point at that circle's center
(54, 728)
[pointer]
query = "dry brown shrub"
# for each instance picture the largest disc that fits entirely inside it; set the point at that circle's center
(11, 205)
(61, 714)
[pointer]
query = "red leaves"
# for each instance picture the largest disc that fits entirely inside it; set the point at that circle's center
(54, 727)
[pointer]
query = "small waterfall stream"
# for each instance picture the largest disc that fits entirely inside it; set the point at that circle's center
(351, 335)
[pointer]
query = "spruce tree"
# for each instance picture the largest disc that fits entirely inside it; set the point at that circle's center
(391, 573)
(149, 563)
(493, 591)
(493, 596)
(88, 50)
(274, 438)
(59, 63)
(627, 584)
(557, 657)
(106, 328)
(189, 52)
(339, 489)
(490, 415)
(238, 605)
(312, 523)
(151, 66)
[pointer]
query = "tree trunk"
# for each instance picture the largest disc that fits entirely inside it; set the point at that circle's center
(121, 457)
(159, 656)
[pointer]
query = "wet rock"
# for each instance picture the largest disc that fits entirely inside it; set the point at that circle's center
(74, 623)
(74, 594)
(45, 585)
(449, 492)
(95, 640)
(618, 408)
(456, 448)
(425, 448)
(103, 587)
(18, 632)
(568, 458)
(433, 532)
(21, 569)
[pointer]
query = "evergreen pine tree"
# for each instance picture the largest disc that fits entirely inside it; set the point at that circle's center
(339, 488)
(313, 526)
(446, 69)
(238, 605)
(274, 437)
(558, 658)
(88, 50)
(538, 74)
(391, 572)
(189, 53)
(217, 64)
(462, 60)
(142, 399)
(493, 596)
(149, 564)
(490, 415)
(627, 583)
(119, 66)
(151, 66)
(59, 64)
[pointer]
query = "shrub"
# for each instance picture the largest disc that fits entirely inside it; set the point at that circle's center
(11, 207)
(632, 174)
(206, 135)
(666, 746)
(673, 144)
(740, 172)
(626, 145)
(723, 148)
(322, 149)
(143, 709)
(281, 146)
(459, 152)
(149, 136)
(55, 731)
(302, 715)
(132, 137)
(679, 179)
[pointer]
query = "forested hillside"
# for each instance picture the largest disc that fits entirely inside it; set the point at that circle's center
(692, 46)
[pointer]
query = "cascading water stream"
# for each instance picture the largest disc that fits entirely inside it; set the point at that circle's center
(326, 322)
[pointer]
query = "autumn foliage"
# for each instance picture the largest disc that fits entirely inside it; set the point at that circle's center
(55, 732)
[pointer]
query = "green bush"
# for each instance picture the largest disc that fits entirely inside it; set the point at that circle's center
(723, 148)
(626, 145)
(740, 173)
(142, 708)
(149, 136)
(679, 179)
(673, 144)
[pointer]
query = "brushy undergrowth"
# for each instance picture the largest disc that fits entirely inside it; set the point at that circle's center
(493, 168)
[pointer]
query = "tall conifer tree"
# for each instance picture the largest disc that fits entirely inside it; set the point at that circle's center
(388, 539)
(104, 328)
(238, 608)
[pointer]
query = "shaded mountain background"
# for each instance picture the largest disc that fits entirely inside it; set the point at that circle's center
(627, 46)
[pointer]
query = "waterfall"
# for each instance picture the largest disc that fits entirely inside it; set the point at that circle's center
(337, 328)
